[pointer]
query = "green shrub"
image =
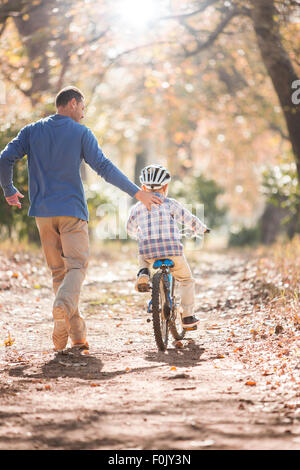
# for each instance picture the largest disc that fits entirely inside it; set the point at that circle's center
(245, 236)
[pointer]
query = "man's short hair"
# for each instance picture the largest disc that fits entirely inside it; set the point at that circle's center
(67, 94)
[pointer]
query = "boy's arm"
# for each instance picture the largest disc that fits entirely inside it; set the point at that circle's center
(15, 150)
(94, 156)
(186, 218)
(132, 224)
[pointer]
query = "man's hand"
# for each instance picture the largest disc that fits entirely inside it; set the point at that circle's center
(148, 198)
(14, 199)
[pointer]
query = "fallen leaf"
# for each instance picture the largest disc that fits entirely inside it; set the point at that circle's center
(266, 372)
(178, 345)
(10, 341)
(179, 376)
(278, 329)
(207, 443)
(184, 388)
(290, 406)
(251, 383)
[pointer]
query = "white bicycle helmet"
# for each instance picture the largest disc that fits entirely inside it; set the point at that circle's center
(155, 176)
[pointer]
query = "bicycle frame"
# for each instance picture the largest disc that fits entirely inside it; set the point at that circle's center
(169, 285)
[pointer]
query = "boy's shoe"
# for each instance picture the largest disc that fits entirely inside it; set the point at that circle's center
(80, 345)
(190, 322)
(60, 334)
(143, 281)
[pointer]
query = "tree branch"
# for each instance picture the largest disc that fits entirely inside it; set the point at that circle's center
(3, 27)
(179, 16)
(214, 34)
(7, 77)
(278, 129)
(136, 48)
(96, 38)
(18, 10)
(116, 59)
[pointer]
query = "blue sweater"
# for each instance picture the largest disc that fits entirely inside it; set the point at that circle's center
(55, 147)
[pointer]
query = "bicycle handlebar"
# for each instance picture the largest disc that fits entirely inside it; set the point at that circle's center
(191, 234)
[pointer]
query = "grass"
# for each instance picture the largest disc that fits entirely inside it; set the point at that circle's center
(10, 247)
(278, 270)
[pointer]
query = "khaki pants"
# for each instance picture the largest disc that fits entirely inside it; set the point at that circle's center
(183, 276)
(65, 243)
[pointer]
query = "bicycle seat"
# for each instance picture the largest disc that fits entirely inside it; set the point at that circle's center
(163, 262)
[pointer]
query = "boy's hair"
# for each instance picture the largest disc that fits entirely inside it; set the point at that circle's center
(156, 190)
(67, 94)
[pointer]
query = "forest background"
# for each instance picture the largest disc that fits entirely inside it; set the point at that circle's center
(208, 88)
(211, 89)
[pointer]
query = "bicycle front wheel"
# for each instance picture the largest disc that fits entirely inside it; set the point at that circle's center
(178, 332)
(160, 312)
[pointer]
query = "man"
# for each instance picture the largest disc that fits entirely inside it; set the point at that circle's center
(55, 147)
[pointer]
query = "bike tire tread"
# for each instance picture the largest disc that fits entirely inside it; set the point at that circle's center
(156, 315)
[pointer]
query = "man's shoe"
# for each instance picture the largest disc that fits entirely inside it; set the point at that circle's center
(142, 283)
(60, 334)
(190, 322)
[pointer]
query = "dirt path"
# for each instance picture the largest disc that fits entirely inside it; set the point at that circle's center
(123, 394)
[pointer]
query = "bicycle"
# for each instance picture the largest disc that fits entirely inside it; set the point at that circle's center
(164, 305)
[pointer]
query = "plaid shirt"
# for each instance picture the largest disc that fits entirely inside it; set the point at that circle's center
(157, 230)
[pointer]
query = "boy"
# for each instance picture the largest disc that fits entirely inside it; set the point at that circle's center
(159, 237)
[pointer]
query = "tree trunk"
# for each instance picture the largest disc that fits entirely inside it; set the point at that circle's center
(144, 156)
(279, 67)
(271, 223)
(36, 31)
(36, 40)
(140, 163)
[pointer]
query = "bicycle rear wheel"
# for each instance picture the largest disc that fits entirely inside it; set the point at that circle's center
(160, 312)
(175, 324)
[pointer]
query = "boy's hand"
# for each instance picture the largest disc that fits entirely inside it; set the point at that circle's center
(148, 198)
(14, 199)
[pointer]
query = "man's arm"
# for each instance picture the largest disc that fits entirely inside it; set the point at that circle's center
(95, 158)
(15, 150)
